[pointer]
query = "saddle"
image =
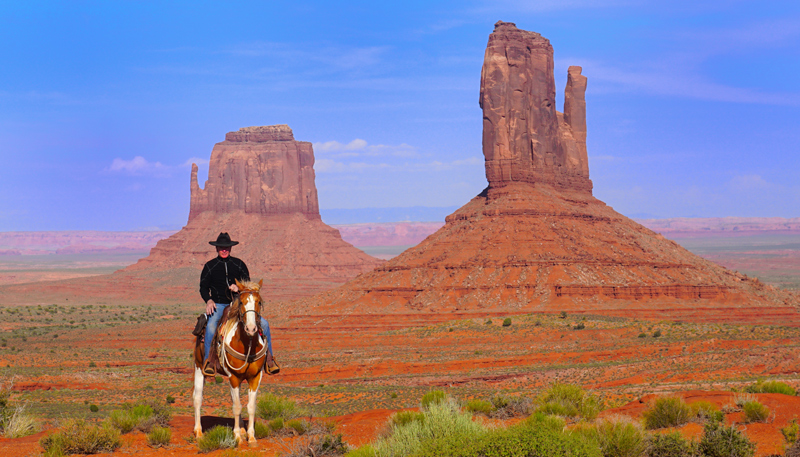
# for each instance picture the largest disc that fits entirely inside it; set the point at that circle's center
(216, 345)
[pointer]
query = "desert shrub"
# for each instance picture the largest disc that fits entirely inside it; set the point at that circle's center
(271, 407)
(794, 450)
(94, 408)
(159, 436)
(261, 430)
(218, 379)
(643, 335)
(755, 412)
(364, 451)
(569, 401)
(505, 407)
(705, 410)
(671, 444)
(507, 322)
(79, 437)
(616, 437)
(170, 399)
(479, 406)
(433, 397)
(740, 399)
(140, 416)
(218, 437)
(19, 423)
(721, 441)
(580, 326)
(321, 446)
(441, 420)
(404, 417)
(547, 421)
(657, 334)
(300, 427)
(770, 387)
(666, 412)
(790, 432)
(276, 424)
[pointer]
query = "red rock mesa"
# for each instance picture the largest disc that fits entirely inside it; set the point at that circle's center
(261, 190)
(536, 239)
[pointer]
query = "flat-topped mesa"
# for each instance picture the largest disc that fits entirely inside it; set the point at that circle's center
(524, 138)
(259, 170)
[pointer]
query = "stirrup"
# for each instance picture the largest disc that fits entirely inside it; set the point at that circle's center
(208, 368)
(271, 367)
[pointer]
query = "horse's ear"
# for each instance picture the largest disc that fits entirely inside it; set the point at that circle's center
(260, 283)
(239, 285)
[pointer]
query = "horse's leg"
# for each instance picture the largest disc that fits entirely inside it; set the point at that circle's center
(237, 408)
(251, 406)
(197, 399)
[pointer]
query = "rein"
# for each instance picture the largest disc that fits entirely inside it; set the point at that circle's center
(253, 339)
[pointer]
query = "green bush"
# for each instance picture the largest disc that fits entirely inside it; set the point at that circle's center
(672, 444)
(440, 420)
(159, 436)
(770, 387)
(643, 335)
(404, 417)
(326, 445)
(479, 406)
(218, 437)
(276, 424)
(140, 416)
(721, 441)
(657, 334)
(433, 397)
(261, 430)
(755, 412)
(569, 401)
(550, 422)
(79, 437)
(705, 410)
(300, 427)
(790, 432)
(94, 408)
(170, 399)
(507, 322)
(666, 412)
(271, 407)
(616, 437)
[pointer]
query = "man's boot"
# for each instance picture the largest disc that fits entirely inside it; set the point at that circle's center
(208, 367)
(271, 366)
(200, 327)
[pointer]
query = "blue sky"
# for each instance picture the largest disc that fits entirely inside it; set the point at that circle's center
(693, 106)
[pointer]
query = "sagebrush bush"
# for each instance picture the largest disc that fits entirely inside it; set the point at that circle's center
(261, 430)
(479, 406)
(276, 424)
(159, 436)
(218, 437)
(504, 407)
(404, 417)
(19, 423)
(140, 416)
(790, 432)
(272, 407)
(547, 421)
(705, 410)
(666, 412)
(616, 437)
(433, 397)
(721, 441)
(300, 427)
(672, 444)
(755, 412)
(76, 436)
(507, 322)
(569, 400)
(741, 398)
(770, 387)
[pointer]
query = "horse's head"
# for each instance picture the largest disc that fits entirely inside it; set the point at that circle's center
(249, 305)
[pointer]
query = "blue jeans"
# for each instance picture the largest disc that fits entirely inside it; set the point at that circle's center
(213, 323)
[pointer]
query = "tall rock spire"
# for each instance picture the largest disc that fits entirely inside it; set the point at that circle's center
(524, 139)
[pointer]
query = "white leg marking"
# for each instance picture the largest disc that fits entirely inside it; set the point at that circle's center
(197, 399)
(237, 411)
(251, 412)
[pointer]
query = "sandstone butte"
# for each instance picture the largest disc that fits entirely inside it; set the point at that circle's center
(261, 190)
(535, 239)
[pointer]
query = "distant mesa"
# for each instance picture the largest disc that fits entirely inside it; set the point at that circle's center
(536, 239)
(261, 190)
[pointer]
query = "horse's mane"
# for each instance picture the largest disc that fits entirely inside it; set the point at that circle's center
(251, 285)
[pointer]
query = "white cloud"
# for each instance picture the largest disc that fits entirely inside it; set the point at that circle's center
(359, 147)
(332, 166)
(138, 165)
(749, 183)
(196, 160)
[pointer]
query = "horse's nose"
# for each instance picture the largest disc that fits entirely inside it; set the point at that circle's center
(250, 329)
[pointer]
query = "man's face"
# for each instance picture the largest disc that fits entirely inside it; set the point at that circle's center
(223, 252)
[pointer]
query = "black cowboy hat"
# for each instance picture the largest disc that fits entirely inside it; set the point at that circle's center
(223, 241)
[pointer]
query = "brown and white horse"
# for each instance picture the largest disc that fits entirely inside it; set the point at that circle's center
(242, 354)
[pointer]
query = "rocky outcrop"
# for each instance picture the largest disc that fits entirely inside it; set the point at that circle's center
(258, 170)
(524, 138)
(536, 240)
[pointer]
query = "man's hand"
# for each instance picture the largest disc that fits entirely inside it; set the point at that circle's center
(234, 288)
(210, 307)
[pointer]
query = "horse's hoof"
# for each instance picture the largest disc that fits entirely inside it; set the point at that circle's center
(198, 433)
(251, 441)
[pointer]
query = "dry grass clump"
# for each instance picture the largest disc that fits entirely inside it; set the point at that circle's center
(617, 436)
(15, 421)
(568, 400)
(271, 407)
(218, 437)
(771, 387)
(79, 437)
(755, 412)
(666, 412)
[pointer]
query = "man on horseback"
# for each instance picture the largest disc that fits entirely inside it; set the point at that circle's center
(217, 286)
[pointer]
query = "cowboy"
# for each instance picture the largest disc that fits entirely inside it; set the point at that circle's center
(217, 286)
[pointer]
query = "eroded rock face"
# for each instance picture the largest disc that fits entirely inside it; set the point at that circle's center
(524, 138)
(258, 170)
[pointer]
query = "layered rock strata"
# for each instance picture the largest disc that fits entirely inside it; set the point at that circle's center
(536, 239)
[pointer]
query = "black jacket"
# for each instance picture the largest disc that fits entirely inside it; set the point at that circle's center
(218, 274)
